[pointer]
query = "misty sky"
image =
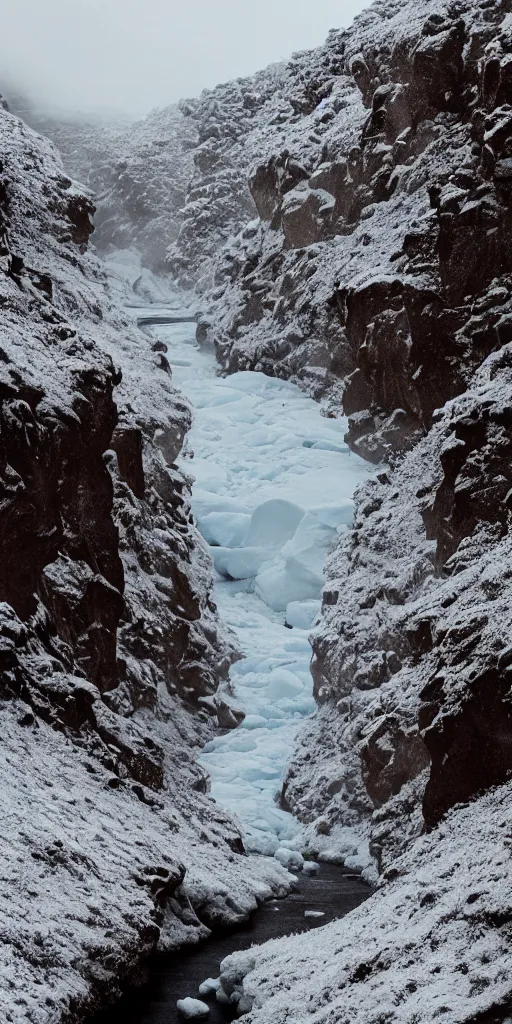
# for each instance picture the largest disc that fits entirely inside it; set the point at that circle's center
(137, 54)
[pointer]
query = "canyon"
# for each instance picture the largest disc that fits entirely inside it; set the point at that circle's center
(341, 224)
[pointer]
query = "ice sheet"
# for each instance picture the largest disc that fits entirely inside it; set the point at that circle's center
(274, 481)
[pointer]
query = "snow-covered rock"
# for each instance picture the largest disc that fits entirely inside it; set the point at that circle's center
(302, 614)
(290, 859)
(310, 867)
(209, 986)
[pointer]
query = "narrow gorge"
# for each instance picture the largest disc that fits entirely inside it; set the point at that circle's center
(257, 395)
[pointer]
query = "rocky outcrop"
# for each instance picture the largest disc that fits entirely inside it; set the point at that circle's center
(406, 660)
(433, 943)
(111, 653)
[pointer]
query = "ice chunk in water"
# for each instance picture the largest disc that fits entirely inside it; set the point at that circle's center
(244, 563)
(209, 986)
(279, 584)
(335, 515)
(302, 614)
(310, 867)
(298, 575)
(308, 548)
(331, 446)
(254, 722)
(284, 684)
(208, 475)
(225, 529)
(273, 523)
(220, 559)
(193, 1009)
(204, 502)
(291, 859)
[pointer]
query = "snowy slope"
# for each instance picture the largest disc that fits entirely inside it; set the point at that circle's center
(432, 944)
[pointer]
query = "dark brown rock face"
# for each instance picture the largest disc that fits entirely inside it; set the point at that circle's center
(102, 569)
(470, 738)
(61, 581)
(59, 538)
(127, 444)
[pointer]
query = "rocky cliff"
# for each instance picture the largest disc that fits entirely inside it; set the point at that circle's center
(110, 648)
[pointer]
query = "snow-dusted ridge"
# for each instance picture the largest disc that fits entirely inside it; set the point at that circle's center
(433, 944)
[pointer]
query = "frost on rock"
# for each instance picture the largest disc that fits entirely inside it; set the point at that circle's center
(109, 637)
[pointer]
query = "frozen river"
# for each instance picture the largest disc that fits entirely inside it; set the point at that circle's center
(273, 488)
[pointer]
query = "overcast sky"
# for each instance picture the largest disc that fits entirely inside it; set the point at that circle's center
(137, 54)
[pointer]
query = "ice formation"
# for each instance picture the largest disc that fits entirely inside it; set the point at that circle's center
(193, 1009)
(209, 986)
(272, 491)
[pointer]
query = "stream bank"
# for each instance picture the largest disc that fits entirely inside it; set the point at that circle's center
(333, 893)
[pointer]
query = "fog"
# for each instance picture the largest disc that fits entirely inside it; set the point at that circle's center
(132, 55)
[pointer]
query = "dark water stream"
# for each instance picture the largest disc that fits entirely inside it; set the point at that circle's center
(177, 975)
